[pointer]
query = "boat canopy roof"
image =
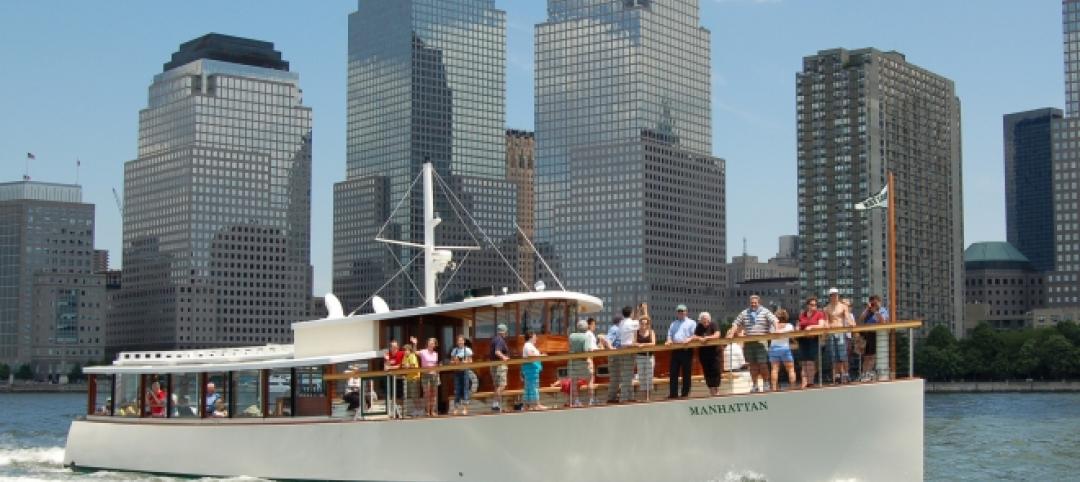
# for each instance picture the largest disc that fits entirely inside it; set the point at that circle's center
(585, 303)
(154, 361)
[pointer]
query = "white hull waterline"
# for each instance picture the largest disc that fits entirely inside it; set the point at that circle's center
(855, 432)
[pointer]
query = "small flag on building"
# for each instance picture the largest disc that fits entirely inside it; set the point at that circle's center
(878, 200)
(30, 155)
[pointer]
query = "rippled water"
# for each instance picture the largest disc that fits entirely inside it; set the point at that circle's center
(968, 437)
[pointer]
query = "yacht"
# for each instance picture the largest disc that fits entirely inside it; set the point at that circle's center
(284, 411)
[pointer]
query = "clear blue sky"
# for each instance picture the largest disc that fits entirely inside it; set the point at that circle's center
(75, 75)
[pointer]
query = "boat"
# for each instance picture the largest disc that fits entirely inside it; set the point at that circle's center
(283, 411)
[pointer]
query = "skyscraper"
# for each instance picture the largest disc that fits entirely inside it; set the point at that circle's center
(52, 303)
(426, 82)
(859, 114)
(1065, 280)
(1029, 194)
(521, 171)
(218, 204)
(630, 199)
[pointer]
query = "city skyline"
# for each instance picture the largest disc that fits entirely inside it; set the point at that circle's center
(753, 76)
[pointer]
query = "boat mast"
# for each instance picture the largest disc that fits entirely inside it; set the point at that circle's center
(429, 237)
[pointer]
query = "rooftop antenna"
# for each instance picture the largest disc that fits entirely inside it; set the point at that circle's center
(744, 246)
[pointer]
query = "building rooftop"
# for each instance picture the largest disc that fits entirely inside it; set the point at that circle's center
(40, 191)
(998, 254)
(226, 48)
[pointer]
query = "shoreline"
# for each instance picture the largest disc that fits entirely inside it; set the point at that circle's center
(1015, 386)
(43, 388)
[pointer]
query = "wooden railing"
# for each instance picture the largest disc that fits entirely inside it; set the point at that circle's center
(901, 325)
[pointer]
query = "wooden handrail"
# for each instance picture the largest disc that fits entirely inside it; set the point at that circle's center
(901, 325)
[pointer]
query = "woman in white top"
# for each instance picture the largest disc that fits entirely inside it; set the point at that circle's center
(780, 350)
(461, 354)
(530, 371)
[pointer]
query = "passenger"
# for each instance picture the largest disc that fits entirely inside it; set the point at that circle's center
(458, 355)
(780, 351)
(219, 409)
(874, 313)
(680, 332)
(155, 400)
(753, 321)
(184, 408)
(594, 344)
(850, 323)
(628, 328)
(212, 396)
(530, 371)
(837, 313)
(393, 357)
(499, 351)
(352, 391)
(646, 362)
(429, 358)
(810, 319)
(707, 355)
(614, 366)
(578, 370)
(412, 380)
(472, 381)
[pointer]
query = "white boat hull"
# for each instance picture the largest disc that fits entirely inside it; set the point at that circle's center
(856, 432)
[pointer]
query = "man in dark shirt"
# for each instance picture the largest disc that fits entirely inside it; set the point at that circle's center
(707, 355)
(499, 351)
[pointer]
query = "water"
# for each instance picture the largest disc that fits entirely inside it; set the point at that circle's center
(968, 437)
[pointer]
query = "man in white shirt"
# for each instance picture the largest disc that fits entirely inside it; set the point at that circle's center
(628, 328)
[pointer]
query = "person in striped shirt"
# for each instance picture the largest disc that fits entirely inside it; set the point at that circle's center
(754, 320)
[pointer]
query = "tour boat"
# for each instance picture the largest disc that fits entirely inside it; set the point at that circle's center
(279, 411)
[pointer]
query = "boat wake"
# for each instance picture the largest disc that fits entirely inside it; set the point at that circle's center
(50, 456)
(740, 476)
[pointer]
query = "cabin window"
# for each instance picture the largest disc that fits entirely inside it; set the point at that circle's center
(279, 392)
(556, 318)
(247, 394)
(155, 395)
(532, 316)
(310, 392)
(507, 315)
(103, 395)
(185, 396)
(216, 399)
(486, 320)
(127, 395)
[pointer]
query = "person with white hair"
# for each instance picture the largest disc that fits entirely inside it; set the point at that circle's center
(582, 370)
(707, 355)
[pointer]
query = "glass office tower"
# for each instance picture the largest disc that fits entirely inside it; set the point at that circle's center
(218, 204)
(1029, 193)
(426, 82)
(630, 200)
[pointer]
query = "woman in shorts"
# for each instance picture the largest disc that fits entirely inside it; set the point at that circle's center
(429, 381)
(811, 318)
(780, 350)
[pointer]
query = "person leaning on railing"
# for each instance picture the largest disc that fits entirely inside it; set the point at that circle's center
(680, 332)
(412, 381)
(646, 362)
(753, 321)
(810, 319)
(579, 370)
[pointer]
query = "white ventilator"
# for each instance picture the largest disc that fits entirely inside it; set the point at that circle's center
(333, 307)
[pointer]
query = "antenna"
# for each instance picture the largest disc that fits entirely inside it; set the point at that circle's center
(119, 203)
(744, 246)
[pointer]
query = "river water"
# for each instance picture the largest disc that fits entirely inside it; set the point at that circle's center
(968, 437)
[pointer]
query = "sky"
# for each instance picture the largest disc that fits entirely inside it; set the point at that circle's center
(75, 75)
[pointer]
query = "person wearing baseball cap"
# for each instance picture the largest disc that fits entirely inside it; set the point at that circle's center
(680, 332)
(499, 351)
(836, 345)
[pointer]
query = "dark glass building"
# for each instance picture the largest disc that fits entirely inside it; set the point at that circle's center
(630, 201)
(426, 82)
(1029, 193)
(218, 204)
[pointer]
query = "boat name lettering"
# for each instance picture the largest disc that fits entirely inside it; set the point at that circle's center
(729, 408)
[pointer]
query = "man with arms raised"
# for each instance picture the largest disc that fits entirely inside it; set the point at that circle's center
(752, 321)
(838, 314)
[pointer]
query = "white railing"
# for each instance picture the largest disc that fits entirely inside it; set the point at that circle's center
(182, 357)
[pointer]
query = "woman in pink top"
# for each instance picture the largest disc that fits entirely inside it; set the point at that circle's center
(429, 381)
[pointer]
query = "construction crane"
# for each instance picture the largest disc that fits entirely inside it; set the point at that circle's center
(119, 203)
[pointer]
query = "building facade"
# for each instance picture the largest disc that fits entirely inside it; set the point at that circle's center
(217, 214)
(52, 310)
(1029, 192)
(1001, 287)
(630, 201)
(746, 267)
(774, 293)
(426, 83)
(1065, 279)
(859, 114)
(521, 171)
